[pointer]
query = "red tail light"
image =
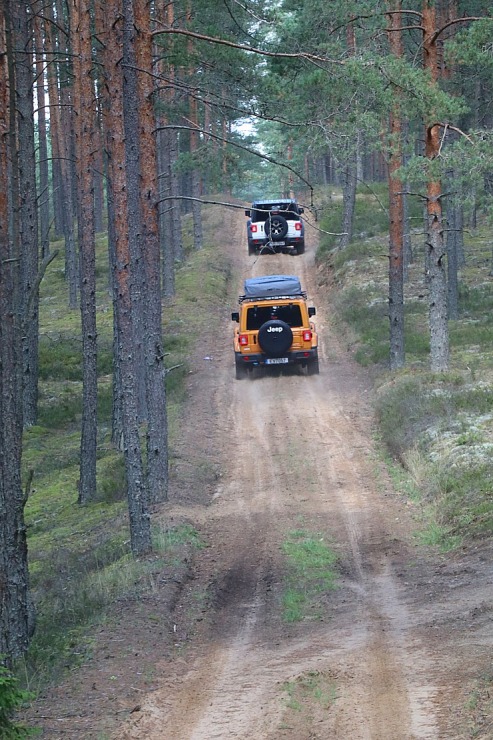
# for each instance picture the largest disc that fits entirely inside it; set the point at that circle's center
(254, 228)
(297, 226)
(243, 339)
(307, 335)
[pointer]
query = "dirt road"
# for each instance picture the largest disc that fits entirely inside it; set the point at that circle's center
(393, 653)
(393, 649)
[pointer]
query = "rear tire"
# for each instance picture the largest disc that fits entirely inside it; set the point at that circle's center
(313, 368)
(241, 371)
(251, 249)
(300, 249)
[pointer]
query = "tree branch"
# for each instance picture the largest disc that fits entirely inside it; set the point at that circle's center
(35, 286)
(244, 148)
(243, 47)
(453, 22)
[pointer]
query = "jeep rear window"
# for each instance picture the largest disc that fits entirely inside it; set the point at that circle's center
(258, 315)
(288, 210)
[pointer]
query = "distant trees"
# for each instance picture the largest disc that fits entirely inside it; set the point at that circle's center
(335, 96)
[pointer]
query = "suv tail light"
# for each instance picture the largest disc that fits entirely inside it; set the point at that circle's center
(254, 228)
(307, 335)
(297, 225)
(243, 340)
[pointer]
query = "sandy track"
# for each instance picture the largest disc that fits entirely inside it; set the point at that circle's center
(300, 453)
(395, 650)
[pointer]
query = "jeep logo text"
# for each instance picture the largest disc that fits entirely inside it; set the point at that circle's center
(275, 328)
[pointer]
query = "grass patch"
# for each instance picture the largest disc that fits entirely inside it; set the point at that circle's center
(438, 536)
(310, 688)
(310, 573)
(479, 708)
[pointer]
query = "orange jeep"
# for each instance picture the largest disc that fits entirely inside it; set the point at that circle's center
(274, 326)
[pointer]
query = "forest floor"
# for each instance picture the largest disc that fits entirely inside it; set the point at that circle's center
(396, 651)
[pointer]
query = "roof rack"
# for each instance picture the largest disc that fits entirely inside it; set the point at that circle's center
(243, 298)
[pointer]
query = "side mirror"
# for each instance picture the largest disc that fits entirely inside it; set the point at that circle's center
(312, 310)
(235, 316)
(248, 212)
(301, 210)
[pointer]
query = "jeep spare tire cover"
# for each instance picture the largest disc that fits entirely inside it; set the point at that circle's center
(275, 337)
(276, 227)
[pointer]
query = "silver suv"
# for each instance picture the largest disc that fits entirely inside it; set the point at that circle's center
(275, 226)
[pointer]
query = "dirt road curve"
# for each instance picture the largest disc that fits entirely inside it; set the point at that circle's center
(394, 650)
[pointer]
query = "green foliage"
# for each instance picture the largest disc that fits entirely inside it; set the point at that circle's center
(12, 698)
(473, 46)
(310, 572)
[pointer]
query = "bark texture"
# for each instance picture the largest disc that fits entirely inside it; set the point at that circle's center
(139, 519)
(15, 623)
(157, 433)
(396, 211)
(435, 245)
(84, 150)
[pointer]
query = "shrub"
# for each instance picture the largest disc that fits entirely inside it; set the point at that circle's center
(11, 698)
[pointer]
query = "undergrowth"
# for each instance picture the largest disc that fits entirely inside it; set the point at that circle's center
(79, 556)
(442, 420)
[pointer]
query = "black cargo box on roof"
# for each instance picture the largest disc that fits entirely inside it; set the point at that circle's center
(272, 285)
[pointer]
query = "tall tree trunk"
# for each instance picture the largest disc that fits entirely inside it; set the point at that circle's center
(23, 34)
(350, 174)
(396, 211)
(166, 212)
(110, 11)
(84, 119)
(174, 148)
(54, 116)
(166, 228)
(67, 148)
(60, 107)
(198, 241)
(173, 145)
(15, 628)
(435, 246)
(43, 171)
(131, 123)
(452, 265)
(98, 179)
(348, 199)
(157, 431)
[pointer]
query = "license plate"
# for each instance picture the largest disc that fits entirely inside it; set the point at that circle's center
(277, 361)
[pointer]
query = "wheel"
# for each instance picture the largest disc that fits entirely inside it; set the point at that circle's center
(313, 368)
(300, 249)
(241, 371)
(275, 337)
(251, 249)
(276, 227)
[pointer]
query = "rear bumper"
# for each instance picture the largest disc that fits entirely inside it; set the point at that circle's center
(264, 245)
(298, 357)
